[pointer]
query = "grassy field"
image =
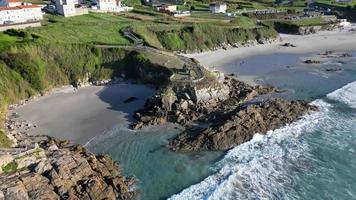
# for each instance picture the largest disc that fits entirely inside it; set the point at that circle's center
(91, 28)
(7, 41)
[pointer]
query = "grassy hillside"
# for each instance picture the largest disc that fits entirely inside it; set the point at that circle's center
(91, 28)
(201, 36)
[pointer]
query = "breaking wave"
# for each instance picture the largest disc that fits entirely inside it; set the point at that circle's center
(263, 167)
(346, 94)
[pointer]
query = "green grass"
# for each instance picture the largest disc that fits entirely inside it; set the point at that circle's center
(10, 168)
(310, 21)
(202, 36)
(4, 141)
(6, 41)
(91, 28)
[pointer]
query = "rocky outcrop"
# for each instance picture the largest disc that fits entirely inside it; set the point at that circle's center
(239, 126)
(63, 171)
(185, 108)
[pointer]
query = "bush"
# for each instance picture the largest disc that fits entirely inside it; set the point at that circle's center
(10, 168)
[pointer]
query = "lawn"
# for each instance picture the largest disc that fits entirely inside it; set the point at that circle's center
(6, 40)
(91, 28)
(309, 21)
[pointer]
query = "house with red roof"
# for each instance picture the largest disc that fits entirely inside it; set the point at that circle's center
(17, 12)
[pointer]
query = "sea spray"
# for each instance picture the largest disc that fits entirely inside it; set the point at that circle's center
(255, 169)
(309, 159)
(345, 94)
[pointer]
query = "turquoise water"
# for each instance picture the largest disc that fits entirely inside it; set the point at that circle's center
(310, 159)
(313, 158)
(143, 154)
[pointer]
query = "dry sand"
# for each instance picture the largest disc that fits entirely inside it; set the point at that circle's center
(81, 115)
(337, 40)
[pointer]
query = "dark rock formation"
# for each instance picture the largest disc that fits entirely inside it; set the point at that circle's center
(239, 126)
(66, 172)
(185, 110)
(312, 61)
(288, 45)
(130, 99)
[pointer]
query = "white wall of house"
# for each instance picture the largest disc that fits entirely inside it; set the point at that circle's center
(109, 5)
(65, 7)
(170, 8)
(218, 8)
(20, 14)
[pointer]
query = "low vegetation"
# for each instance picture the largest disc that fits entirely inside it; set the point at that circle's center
(201, 36)
(10, 168)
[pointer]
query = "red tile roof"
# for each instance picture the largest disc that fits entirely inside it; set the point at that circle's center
(8, 8)
(18, 7)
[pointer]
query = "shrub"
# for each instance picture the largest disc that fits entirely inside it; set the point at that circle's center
(10, 168)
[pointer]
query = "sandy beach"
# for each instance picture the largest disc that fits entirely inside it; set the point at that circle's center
(81, 115)
(337, 40)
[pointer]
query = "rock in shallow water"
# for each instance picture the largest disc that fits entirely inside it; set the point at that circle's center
(239, 126)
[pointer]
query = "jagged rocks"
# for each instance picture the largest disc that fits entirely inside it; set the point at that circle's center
(239, 125)
(67, 172)
(183, 110)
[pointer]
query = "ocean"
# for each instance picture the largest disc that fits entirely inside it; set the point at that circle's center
(313, 158)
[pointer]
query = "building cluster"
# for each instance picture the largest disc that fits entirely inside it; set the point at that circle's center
(70, 8)
(14, 12)
(167, 7)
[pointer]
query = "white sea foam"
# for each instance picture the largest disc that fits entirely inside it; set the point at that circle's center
(257, 169)
(346, 94)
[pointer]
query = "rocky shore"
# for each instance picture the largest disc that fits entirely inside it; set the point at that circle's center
(239, 126)
(185, 108)
(41, 167)
(229, 118)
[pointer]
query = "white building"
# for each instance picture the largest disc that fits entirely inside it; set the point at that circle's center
(23, 13)
(10, 3)
(167, 8)
(109, 5)
(217, 8)
(65, 8)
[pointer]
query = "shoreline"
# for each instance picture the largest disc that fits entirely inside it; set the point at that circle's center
(79, 115)
(336, 40)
